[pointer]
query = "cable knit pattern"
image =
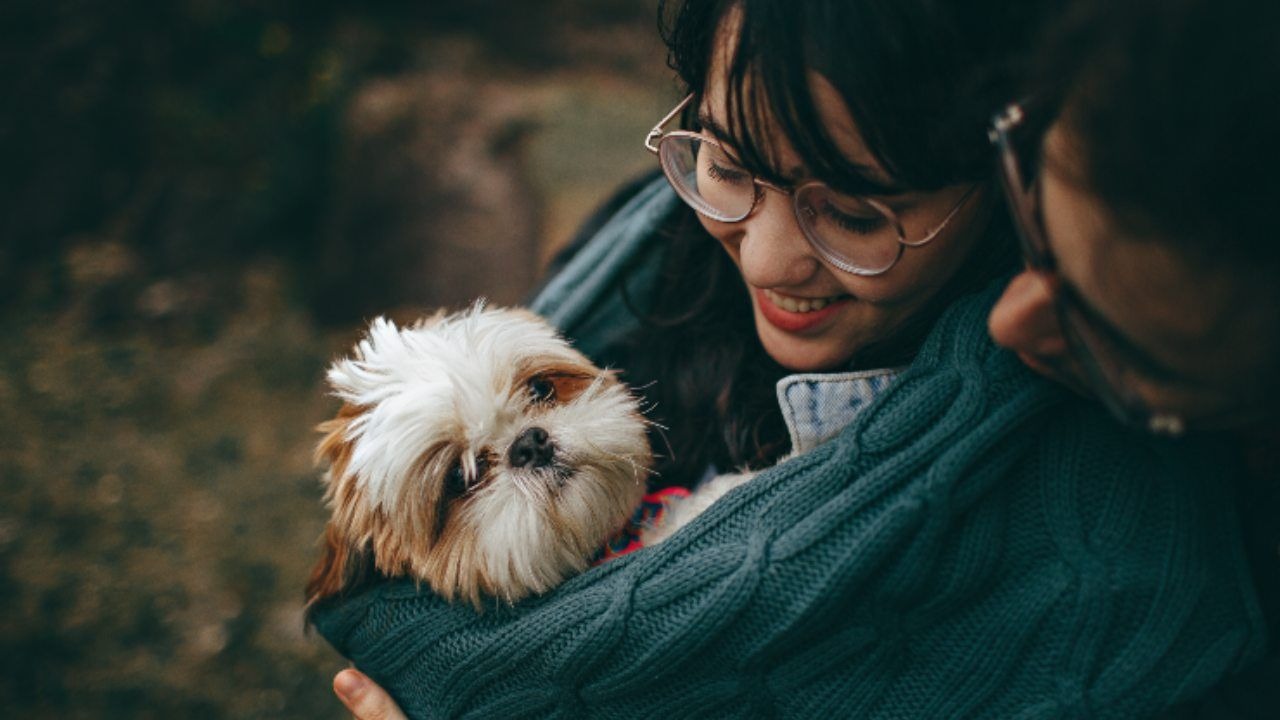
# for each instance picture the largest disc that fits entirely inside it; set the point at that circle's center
(975, 544)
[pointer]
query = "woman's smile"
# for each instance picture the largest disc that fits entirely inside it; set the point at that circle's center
(798, 314)
(810, 315)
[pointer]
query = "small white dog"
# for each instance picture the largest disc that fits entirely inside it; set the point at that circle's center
(477, 452)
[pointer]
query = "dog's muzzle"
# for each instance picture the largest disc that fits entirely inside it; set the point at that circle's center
(532, 449)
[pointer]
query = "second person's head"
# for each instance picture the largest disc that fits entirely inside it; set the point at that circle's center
(1143, 176)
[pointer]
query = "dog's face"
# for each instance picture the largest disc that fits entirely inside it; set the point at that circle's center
(478, 452)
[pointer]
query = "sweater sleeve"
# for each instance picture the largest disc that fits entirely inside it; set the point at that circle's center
(975, 544)
(595, 295)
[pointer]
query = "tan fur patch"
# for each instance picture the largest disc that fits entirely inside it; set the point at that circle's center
(569, 379)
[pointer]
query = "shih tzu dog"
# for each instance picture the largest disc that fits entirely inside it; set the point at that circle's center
(477, 452)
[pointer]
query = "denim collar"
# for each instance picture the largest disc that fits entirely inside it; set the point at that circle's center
(817, 406)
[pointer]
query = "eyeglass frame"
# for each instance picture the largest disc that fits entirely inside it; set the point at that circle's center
(1028, 221)
(803, 214)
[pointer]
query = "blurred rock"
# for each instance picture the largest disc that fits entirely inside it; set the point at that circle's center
(431, 206)
(172, 170)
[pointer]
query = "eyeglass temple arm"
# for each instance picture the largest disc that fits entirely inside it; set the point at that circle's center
(651, 140)
(1001, 124)
(942, 224)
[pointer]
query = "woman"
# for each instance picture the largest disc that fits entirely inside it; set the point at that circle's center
(925, 234)
(1149, 233)
(973, 541)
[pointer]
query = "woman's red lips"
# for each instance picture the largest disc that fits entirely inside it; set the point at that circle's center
(797, 321)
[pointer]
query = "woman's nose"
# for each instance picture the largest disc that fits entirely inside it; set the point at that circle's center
(773, 249)
(1024, 319)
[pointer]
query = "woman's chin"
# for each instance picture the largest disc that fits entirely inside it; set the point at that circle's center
(819, 343)
(802, 354)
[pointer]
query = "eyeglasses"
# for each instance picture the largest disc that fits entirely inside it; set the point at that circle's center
(859, 235)
(1090, 340)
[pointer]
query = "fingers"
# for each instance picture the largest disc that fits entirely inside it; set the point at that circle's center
(364, 698)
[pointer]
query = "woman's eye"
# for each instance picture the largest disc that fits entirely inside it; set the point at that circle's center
(541, 390)
(717, 165)
(724, 174)
(851, 223)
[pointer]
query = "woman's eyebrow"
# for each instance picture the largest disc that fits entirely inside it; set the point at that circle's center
(871, 185)
(875, 185)
(717, 130)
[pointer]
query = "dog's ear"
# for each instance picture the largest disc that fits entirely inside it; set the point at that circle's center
(342, 569)
(334, 448)
(329, 575)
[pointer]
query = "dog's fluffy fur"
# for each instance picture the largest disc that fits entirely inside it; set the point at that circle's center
(477, 452)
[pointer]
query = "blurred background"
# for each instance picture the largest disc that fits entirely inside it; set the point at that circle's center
(201, 201)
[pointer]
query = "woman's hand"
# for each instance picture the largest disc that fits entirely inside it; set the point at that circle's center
(364, 698)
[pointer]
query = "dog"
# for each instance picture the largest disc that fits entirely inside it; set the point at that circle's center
(477, 452)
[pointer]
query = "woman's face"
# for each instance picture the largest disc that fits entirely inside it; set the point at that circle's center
(1196, 327)
(811, 316)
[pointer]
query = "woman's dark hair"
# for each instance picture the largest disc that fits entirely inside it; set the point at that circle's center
(921, 78)
(1172, 108)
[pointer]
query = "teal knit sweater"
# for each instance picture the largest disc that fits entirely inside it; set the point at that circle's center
(976, 543)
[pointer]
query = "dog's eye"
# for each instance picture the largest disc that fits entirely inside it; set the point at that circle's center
(455, 482)
(541, 390)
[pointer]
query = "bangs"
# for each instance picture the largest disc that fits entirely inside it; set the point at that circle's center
(912, 76)
(769, 98)
(764, 106)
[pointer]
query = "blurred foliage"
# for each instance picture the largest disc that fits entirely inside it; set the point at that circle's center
(203, 132)
(158, 513)
(167, 171)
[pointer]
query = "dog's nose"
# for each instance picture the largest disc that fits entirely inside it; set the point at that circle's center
(533, 449)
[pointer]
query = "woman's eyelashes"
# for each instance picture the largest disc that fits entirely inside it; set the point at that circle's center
(719, 167)
(850, 223)
(731, 175)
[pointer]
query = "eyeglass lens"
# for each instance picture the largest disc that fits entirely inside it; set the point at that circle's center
(707, 178)
(850, 231)
(1092, 352)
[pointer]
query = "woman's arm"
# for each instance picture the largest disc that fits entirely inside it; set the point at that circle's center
(972, 545)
